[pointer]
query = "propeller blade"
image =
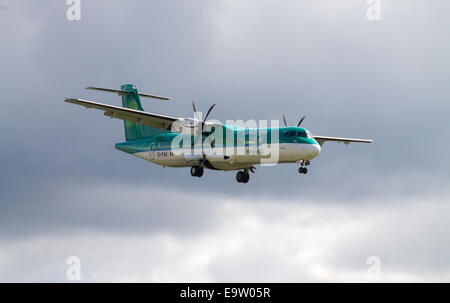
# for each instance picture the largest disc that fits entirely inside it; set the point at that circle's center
(195, 110)
(284, 120)
(301, 120)
(209, 111)
(199, 134)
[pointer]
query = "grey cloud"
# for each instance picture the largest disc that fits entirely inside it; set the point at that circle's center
(251, 65)
(383, 80)
(55, 208)
(264, 242)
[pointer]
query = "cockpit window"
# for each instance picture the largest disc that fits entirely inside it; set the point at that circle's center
(301, 134)
(298, 133)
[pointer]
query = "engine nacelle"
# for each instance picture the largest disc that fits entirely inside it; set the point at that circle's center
(185, 126)
(189, 126)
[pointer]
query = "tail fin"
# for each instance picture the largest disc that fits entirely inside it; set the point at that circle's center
(130, 99)
(134, 131)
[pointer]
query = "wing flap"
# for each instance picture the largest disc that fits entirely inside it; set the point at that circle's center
(136, 116)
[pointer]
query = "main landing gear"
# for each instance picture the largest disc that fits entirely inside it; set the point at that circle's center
(302, 169)
(243, 176)
(196, 171)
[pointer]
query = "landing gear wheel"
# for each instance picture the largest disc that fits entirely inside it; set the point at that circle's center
(246, 177)
(302, 170)
(200, 172)
(239, 176)
(242, 177)
(196, 171)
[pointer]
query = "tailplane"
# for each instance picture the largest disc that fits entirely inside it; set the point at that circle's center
(131, 99)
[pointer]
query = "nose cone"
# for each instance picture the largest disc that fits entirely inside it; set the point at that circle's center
(315, 150)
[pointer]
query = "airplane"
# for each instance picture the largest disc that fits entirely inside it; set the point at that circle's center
(151, 137)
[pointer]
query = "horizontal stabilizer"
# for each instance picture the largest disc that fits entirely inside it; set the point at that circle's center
(123, 92)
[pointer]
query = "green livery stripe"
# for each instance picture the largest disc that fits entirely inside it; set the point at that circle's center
(164, 141)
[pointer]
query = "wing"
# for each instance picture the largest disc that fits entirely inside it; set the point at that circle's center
(321, 140)
(136, 116)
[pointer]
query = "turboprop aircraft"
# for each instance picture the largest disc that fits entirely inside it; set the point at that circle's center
(199, 143)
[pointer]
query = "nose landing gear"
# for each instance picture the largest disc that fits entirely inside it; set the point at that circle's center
(302, 169)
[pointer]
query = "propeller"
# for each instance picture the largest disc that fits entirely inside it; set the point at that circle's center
(199, 137)
(206, 116)
(299, 122)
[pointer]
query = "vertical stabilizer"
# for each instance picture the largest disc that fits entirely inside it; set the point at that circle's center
(134, 131)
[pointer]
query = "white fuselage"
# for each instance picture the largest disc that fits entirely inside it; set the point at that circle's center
(285, 153)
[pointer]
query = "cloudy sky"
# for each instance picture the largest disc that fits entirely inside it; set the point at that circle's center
(65, 190)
